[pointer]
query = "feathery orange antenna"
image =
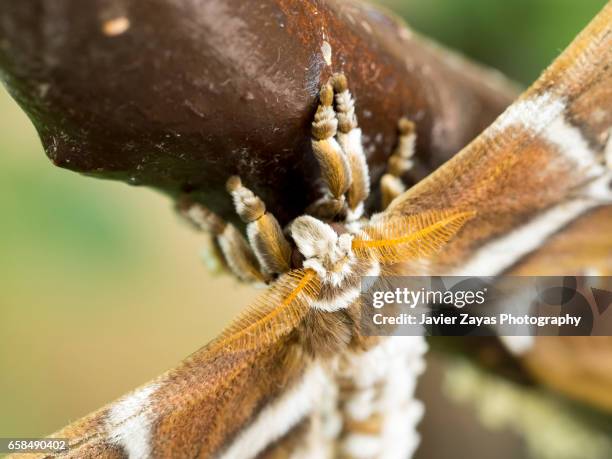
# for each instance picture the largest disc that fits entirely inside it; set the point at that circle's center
(273, 315)
(416, 236)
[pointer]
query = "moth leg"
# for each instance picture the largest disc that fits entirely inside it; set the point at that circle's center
(229, 246)
(349, 138)
(264, 232)
(334, 165)
(400, 162)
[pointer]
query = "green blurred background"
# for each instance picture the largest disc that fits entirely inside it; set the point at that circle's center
(101, 286)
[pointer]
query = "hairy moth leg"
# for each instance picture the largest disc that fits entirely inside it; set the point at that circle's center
(400, 162)
(334, 165)
(263, 230)
(349, 138)
(229, 245)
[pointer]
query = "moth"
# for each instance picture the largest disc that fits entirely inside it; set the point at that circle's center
(293, 376)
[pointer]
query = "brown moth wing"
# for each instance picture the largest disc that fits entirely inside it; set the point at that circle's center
(536, 181)
(304, 440)
(578, 367)
(584, 247)
(216, 400)
(193, 411)
(535, 169)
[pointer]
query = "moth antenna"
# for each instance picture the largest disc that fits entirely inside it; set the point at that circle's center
(265, 234)
(273, 315)
(404, 238)
(400, 162)
(334, 165)
(228, 244)
(349, 138)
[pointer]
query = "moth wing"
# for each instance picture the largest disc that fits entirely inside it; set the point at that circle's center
(539, 166)
(582, 248)
(219, 397)
(539, 179)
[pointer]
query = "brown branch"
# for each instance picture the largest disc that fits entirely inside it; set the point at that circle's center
(180, 95)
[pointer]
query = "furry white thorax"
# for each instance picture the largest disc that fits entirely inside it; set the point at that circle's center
(324, 251)
(348, 295)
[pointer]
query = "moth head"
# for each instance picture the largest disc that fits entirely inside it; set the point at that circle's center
(325, 251)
